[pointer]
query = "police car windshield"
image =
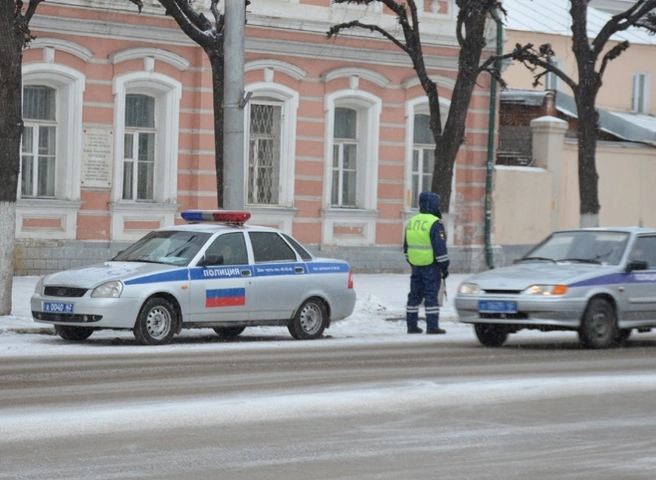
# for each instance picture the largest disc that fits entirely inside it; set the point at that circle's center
(582, 246)
(166, 247)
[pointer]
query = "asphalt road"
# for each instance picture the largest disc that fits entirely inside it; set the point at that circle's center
(391, 410)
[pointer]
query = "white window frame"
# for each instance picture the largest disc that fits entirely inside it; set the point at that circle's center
(167, 92)
(365, 215)
(69, 85)
(283, 213)
(640, 100)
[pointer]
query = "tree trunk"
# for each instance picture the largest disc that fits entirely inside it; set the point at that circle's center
(588, 120)
(216, 61)
(452, 137)
(11, 129)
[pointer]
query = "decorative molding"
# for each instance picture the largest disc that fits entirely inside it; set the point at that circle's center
(440, 80)
(369, 75)
(277, 66)
(67, 46)
(177, 61)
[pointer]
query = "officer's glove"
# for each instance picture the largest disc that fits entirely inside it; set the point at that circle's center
(445, 274)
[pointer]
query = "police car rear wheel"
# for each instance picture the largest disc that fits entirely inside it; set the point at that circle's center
(598, 325)
(227, 333)
(75, 334)
(156, 323)
(310, 320)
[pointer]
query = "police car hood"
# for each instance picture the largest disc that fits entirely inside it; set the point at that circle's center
(94, 275)
(523, 275)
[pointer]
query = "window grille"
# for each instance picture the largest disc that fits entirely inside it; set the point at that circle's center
(264, 154)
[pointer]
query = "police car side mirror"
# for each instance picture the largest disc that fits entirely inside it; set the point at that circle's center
(636, 265)
(210, 260)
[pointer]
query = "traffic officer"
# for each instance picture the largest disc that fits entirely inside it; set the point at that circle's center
(424, 246)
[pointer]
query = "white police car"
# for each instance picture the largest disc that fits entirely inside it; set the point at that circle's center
(599, 282)
(215, 272)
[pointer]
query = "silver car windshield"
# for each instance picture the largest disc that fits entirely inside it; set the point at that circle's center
(600, 247)
(168, 247)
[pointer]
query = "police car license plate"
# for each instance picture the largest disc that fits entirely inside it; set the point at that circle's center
(58, 307)
(497, 306)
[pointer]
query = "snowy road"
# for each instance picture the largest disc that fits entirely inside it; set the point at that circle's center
(413, 407)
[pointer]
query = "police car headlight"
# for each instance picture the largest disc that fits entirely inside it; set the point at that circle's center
(111, 289)
(546, 290)
(469, 289)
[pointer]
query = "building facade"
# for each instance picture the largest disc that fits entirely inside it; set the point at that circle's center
(119, 131)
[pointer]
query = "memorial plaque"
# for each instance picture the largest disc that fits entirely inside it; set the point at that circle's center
(97, 157)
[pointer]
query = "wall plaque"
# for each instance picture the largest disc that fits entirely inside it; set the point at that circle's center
(97, 157)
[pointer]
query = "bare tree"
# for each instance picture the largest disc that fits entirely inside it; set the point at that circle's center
(472, 19)
(592, 59)
(15, 17)
(210, 37)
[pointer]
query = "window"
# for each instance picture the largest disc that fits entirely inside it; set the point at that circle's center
(264, 153)
(139, 147)
(640, 99)
(270, 247)
(39, 142)
(231, 247)
(345, 158)
(644, 250)
(423, 158)
(553, 81)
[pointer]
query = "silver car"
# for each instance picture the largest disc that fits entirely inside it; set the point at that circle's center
(226, 276)
(600, 282)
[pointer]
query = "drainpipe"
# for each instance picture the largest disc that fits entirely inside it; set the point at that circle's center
(489, 258)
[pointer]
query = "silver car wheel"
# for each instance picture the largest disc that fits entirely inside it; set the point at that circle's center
(598, 325)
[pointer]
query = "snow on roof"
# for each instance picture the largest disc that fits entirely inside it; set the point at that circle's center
(553, 17)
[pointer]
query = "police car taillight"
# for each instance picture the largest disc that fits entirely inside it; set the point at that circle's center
(219, 216)
(350, 280)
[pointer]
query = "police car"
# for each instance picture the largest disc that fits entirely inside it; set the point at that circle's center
(214, 272)
(599, 282)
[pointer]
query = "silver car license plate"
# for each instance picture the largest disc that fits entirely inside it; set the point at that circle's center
(58, 307)
(497, 306)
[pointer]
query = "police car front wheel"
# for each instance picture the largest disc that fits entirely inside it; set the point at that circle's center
(156, 323)
(310, 320)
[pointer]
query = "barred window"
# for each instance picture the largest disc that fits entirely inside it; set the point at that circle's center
(39, 140)
(423, 158)
(264, 153)
(139, 148)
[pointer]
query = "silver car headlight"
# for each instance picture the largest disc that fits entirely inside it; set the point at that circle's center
(469, 289)
(111, 289)
(38, 289)
(546, 290)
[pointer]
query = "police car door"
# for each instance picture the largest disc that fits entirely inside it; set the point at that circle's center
(218, 284)
(279, 279)
(641, 286)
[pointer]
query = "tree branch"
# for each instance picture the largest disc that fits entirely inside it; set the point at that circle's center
(336, 30)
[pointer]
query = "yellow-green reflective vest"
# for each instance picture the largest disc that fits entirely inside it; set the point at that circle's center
(417, 237)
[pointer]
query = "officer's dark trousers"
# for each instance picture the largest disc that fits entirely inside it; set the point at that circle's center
(424, 284)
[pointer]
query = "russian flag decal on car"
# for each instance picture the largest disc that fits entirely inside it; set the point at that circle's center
(225, 297)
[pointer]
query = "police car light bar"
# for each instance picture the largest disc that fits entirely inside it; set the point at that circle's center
(221, 216)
